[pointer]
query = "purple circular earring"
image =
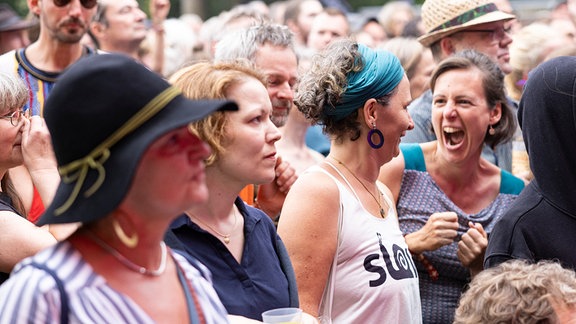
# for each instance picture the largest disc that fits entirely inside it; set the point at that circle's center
(377, 132)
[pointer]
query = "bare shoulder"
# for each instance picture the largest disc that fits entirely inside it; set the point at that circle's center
(308, 227)
(314, 189)
(312, 204)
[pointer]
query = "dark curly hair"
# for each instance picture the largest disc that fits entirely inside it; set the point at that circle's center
(324, 84)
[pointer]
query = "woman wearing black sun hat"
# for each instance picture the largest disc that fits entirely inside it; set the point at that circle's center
(128, 166)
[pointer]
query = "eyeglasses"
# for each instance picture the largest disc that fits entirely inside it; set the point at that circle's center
(495, 35)
(14, 117)
(88, 4)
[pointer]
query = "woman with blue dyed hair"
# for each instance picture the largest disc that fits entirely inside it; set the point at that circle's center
(338, 222)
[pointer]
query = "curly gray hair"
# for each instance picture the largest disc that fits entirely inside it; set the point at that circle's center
(518, 292)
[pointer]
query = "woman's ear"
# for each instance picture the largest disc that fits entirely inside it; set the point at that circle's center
(369, 112)
(496, 114)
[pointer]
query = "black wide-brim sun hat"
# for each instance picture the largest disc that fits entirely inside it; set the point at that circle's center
(102, 114)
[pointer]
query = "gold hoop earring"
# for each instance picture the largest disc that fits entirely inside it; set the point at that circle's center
(130, 242)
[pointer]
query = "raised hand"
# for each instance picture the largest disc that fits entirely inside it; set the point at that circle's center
(37, 145)
(159, 10)
(439, 230)
(271, 196)
(472, 247)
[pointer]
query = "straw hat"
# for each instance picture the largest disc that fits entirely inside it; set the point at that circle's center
(102, 114)
(442, 18)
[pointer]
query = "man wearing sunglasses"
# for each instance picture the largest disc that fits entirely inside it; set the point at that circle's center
(62, 25)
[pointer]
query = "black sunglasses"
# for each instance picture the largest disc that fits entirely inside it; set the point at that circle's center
(88, 4)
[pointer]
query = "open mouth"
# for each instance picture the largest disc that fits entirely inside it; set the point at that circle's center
(453, 136)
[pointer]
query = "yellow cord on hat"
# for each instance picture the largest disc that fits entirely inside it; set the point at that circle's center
(78, 170)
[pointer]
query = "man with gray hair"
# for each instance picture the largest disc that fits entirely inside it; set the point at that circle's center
(270, 48)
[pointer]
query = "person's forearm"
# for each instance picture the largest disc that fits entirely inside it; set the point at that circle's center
(415, 245)
(46, 183)
(158, 50)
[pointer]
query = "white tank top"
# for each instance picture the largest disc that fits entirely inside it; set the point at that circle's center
(373, 278)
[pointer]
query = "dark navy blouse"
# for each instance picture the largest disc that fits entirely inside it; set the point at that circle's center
(260, 282)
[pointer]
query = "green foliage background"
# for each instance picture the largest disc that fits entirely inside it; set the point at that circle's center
(211, 7)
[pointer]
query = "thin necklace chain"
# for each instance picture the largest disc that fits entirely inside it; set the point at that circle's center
(382, 212)
(129, 264)
(225, 237)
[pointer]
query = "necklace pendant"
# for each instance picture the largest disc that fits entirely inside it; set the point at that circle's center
(226, 239)
(382, 213)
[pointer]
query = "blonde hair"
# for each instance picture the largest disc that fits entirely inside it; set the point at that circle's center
(517, 292)
(205, 80)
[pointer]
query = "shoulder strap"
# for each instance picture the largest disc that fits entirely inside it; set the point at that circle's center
(343, 178)
(413, 157)
(194, 316)
(64, 310)
(325, 309)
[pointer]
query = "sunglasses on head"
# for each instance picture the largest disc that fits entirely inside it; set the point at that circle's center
(88, 4)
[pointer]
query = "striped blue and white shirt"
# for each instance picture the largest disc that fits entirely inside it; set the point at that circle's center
(31, 294)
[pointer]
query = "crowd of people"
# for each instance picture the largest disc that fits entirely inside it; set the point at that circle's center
(406, 167)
